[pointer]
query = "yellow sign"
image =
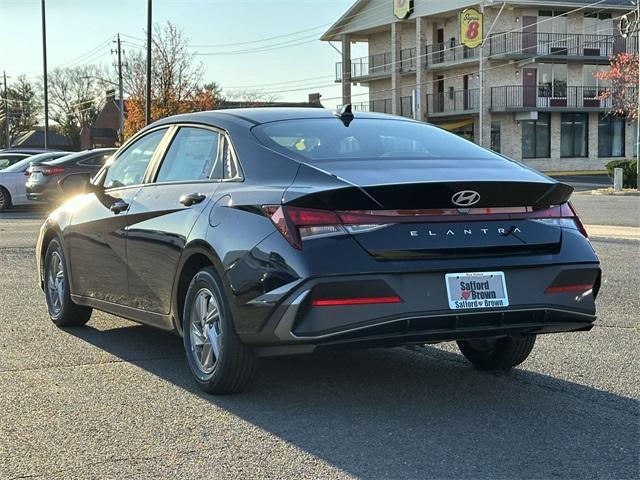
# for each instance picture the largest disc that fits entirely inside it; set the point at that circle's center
(402, 8)
(471, 31)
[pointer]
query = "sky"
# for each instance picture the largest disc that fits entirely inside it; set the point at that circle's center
(79, 32)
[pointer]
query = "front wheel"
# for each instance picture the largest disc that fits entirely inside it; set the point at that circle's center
(62, 311)
(497, 354)
(219, 361)
(5, 199)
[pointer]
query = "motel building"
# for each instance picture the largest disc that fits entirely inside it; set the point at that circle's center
(541, 102)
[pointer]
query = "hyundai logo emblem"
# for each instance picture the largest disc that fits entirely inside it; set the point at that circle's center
(465, 198)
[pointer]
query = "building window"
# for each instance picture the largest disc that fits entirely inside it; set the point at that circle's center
(552, 80)
(556, 24)
(574, 135)
(593, 86)
(536, 135)
(495, 136)
(610, 136)
(634, 136)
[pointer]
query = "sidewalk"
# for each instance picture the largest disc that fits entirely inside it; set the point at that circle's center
(610, 231)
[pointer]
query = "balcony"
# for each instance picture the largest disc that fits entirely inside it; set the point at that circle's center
(443, 55)
(367, 68)
(381, 105)
(515, 98)
(408, 60)
(357, 107)
(458, 102)
(569, 46)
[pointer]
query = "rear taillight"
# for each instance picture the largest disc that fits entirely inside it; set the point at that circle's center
(52, 170)
(297, 224)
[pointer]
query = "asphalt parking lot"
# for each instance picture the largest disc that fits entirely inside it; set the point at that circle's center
(116, 400)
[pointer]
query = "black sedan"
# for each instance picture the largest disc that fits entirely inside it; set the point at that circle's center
(47, 179)
(277, 231)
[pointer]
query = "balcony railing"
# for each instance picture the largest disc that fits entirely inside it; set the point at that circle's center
(381, 105)
(458, 101)
(518, 97)
(406, 106)
(525, 44)
(357, 107)
(379, 64)
(408, 60)
(449, 53)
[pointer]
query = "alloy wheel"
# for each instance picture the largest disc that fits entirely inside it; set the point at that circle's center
(55, 282)
(205, 330)
(3, 199)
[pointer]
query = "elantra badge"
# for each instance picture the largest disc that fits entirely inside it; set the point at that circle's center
(465, 198)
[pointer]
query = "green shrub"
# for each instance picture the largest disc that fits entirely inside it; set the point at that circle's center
(629, 172)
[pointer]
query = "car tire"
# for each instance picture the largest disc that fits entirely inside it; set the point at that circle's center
(497, 354)
(219, 361)
(62, 311)
(5, 199)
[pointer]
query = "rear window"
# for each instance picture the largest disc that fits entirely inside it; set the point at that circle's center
(366, 138)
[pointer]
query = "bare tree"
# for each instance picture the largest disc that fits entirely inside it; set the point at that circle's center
(76, 96)
(24, 104)
(252, 96)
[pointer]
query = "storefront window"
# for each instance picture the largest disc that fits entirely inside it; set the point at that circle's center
(536, 136)
(574, 134)
(610, 136)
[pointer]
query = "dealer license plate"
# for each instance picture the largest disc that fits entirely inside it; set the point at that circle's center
(476, 290)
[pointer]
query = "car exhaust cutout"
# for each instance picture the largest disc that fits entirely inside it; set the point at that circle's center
(297, 224)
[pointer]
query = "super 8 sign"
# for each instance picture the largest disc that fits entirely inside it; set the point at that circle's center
(471, 30)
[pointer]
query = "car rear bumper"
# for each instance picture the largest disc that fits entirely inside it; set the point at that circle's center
(423, 315)
(40, 192)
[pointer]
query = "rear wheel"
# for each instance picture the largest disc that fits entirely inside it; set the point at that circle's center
(219, 361)
(5, 199)
(62, 311)
(497, 354)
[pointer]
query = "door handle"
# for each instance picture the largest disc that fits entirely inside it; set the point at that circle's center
(119, 206)
(191, 199)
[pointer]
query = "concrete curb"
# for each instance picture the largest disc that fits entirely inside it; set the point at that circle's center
(610, 231)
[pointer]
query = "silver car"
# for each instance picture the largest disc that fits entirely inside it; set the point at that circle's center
(14, 177)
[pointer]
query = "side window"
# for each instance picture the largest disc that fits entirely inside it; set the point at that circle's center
(193, 155)
(230, 166)
(96, 160)
(129, 167)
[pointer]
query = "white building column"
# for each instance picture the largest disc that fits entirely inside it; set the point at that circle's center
(396, 41)
(346, 69)
(421, 73)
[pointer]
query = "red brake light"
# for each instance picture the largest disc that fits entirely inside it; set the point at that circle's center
(52, 170)
(569, 288)
(334, 302)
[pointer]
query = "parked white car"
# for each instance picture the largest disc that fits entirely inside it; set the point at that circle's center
(14, 177)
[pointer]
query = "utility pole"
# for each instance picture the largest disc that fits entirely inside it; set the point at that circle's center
(44, 76)
(120, 89)
(6, 112)
(147, 113)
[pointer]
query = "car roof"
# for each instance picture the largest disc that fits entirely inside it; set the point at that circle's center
(30, 151)
(78, 156)
(47, 156)
(260, 115)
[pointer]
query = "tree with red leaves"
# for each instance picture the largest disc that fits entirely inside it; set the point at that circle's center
(623, 77)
